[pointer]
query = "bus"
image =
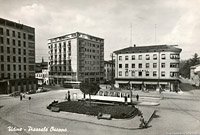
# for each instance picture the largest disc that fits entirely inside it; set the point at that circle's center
(72, 84)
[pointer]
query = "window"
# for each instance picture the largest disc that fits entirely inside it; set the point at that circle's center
(120, 65)
(24, 51)
(7, 32)
(1, 40)
(147, 65)
(24, 44)
(120, 57)
(133, 73)
(24, 67)
(133, 65)
(19, 51)
(155, 56)
(8, 41)
(133, 57)
(20, 68)
(147, 73)
(174, 65)
(174, 56)
(174, 74)
(140, 57)
(8, 49)
(19, 35)
(2, 50)
(13, 33)
(24, 59)
(14, 67)
(2, 75)
(1, 31)
(14, 42)
(154, 73)
(24, 36)
(15, 76)
(126, 65)
(14, 59)
(147, 57)
(2, 58)
(24, 75)
(140, 65)
(163, 56)
(2, 67)
(163, 73)
(162, 65)
(20, 75)
(140, 73)
(8, 58)
(19, 43)
(8, 67)
(19, 59)
(126, 73)
(154, 65)
(120, 73)
(126, 57)
(8, 75)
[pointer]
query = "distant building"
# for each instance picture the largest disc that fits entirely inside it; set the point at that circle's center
(194, 75)
(76, 57)
(108, 70)
(42, 73)
(17, 57)
(148, 67)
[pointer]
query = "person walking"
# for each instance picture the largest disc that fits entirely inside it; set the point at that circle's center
(142, 124)
(137, 97)
(20, 97)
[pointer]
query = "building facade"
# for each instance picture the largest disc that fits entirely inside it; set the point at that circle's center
(76, 57)
(195, 75)
(42, 73)
(148, 67)
(109, 70)
(17, 57)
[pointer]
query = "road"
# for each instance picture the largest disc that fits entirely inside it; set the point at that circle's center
(177, 113)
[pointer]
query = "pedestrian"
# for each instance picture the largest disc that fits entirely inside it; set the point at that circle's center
(66, 96)
(69, 96)
(137, 97)
(20, 96)
(142, 124)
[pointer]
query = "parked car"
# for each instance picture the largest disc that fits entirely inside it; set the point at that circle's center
(15, 93)
(31, 92)
(41, 90)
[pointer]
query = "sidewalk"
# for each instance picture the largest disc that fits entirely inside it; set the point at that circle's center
(130, 124)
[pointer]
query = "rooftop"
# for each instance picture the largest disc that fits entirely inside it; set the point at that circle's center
(151, 48)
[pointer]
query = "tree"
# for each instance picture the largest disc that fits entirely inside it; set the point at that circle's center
(89, 88)
(195, 60)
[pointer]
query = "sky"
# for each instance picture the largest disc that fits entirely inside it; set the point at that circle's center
(121, 23)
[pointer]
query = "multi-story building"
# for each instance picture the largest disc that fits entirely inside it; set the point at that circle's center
(42, 73)
(109, 70)
(76, 57)
(17, 57)
(148, 67)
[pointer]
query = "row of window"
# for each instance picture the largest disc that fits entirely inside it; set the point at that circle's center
(13, 59)
(14, 75)
(14, 42)
(12, 33)
(147, 74)
(155, 57)
(13, 50)
(84, 43)
(147, 65)
(14, 67)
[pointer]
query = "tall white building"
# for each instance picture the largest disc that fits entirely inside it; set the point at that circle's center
(148, 67)
(76, 57)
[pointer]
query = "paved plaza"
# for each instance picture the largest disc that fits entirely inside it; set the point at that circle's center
(178, 113)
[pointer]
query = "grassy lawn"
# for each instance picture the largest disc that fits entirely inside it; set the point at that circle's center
(116, 111)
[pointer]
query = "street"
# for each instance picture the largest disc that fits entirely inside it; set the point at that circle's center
(177, 113)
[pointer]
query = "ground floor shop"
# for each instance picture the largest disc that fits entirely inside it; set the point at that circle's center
(21, 85)
(148, 85)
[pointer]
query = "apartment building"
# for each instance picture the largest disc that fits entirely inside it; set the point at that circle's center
(109, 70)
(17, 57)
(76, 57)
(148, 67)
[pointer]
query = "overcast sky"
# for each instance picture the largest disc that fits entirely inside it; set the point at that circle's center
(174, 22)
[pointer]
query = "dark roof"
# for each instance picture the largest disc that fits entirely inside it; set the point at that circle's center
(151, 48)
